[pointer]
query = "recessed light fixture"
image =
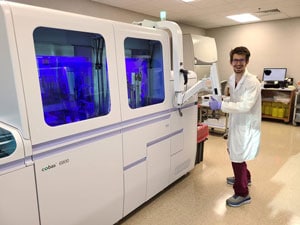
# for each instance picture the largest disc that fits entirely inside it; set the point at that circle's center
(187, 0)
(244, 18)
(163, 15)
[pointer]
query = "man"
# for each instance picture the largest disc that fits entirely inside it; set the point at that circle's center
(244, 108)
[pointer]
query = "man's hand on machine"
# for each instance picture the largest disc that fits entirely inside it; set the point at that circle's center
(214, 104)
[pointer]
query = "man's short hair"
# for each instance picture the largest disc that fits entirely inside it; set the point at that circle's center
(240, 51)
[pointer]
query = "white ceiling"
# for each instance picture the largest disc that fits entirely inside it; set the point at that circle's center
(210, 13)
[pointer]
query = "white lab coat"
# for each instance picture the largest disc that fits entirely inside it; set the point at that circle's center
(244, 108)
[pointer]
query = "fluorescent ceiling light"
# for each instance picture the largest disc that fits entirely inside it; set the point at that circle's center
(244, 18)
(163, 15)
(187, 0)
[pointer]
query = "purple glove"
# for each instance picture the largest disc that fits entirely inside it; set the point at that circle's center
(215, 104)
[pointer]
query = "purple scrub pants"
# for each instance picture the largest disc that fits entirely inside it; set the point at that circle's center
(242, 175)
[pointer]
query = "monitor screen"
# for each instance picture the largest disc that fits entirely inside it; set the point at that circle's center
(274, 74)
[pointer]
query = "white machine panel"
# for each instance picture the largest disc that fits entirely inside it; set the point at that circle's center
(158, 167)
(190, 134)
(18, 203)
(182, 159)
(24, 28)
(124, 32)
(136, 138)
(135, 184)
(10, 92)
(136, 158)
(177, 143)
(82, 185)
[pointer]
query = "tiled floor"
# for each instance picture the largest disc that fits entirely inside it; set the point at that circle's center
(199, 198)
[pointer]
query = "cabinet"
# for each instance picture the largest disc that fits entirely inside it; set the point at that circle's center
(296, 115)
(278, 103)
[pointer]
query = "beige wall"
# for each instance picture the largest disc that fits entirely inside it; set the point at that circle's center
(272, 44)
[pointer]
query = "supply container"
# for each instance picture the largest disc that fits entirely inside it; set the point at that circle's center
(274, 109)
(281, 110)
(268, 108)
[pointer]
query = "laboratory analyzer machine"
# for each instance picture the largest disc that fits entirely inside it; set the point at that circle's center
(95, 117)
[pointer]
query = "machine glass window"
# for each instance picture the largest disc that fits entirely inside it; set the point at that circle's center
(7, 143)
(144, 72)
(73, 75)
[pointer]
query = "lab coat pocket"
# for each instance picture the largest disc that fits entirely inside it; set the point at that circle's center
(241, 136)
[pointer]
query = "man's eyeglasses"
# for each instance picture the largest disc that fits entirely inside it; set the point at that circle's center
(235, 61)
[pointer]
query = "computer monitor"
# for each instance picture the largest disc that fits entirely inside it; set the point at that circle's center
(274, 74)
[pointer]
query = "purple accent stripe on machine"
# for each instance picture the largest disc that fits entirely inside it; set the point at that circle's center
(116, 126)
(11, 165)
(164, 137)
(134, 163)
(72, 145)
(146, 123)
